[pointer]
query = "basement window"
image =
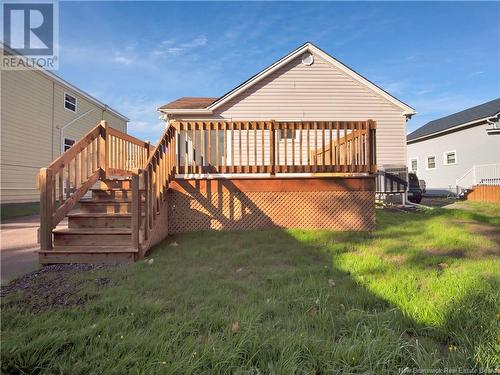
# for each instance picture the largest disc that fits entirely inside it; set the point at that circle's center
(69, 102)
(68, 143)
(287, 134)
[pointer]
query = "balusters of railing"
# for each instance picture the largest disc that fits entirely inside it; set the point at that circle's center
(314, 147)
(135, 210)
(66, 180)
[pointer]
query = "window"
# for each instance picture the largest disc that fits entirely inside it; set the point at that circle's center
(413, 164)
(68, 143)
(450, 158)
(69, 102)
(287, 134)
(431, 162)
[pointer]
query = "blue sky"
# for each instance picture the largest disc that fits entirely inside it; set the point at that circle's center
(437, 57)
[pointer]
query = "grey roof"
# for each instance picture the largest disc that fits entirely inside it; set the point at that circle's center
(475, 113)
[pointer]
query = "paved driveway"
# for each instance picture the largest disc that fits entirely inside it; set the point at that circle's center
(18, 245)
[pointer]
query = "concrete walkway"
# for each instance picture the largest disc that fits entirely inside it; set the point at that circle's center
(18, 246)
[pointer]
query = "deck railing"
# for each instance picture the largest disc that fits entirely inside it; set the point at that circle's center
(102, 152)
(154, 177)
(483, 174)
(124, 153)
(207, 147)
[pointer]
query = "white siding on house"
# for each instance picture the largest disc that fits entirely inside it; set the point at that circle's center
(473, 146)
(296, 92)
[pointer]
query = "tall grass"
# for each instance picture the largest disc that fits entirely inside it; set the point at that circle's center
(419, 292)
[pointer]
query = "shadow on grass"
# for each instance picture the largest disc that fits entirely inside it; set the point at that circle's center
(304, 302)
(369, 312)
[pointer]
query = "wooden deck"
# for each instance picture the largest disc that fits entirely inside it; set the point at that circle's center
(202, 176)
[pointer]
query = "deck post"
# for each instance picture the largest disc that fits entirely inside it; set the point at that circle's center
(103, 148)
(46, 208)
(272, 146)
(372, 146)
(135, 211)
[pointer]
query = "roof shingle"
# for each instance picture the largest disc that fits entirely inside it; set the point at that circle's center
(189, 103)
(468, 115)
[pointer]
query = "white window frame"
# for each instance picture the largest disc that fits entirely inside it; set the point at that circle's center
(64, 145)
(445, 157)
(427, 162)
(76, 102)
(411, 167)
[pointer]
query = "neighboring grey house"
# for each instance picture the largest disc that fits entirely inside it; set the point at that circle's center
(458, 151)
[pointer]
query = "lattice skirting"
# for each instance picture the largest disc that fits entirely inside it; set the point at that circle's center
(237, 210)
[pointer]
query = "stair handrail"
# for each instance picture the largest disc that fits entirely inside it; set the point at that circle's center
(155, 177)
(69, 177)
(460, 179)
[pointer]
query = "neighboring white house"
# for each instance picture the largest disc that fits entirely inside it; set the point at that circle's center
(458, 151)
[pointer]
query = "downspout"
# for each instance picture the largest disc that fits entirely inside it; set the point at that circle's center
(494, 123)
(52, 120)
(69, 123)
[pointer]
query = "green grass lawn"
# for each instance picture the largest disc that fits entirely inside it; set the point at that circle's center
(12, 210)
(422, 291)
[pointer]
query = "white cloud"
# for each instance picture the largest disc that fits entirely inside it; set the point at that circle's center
(174, 50)
(122, 59)
(170, 47)
(423, 92)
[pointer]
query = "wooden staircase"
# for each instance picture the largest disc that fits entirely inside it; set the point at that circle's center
(99, 231)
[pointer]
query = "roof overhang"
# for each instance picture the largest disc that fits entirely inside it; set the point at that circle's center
(194, 111)
(308, 47)
(450, 130)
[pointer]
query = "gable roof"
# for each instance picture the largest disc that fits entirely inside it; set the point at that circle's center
(307, 47)
(5, 49)
(466, 117)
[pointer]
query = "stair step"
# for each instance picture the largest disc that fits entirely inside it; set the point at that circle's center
(98, 214)
(99, 220)
(105, 206)
(116, 184)
(92, 249)
(106, 200)
(92, 231)
(99, 194)
(92, 236)
(87, 254)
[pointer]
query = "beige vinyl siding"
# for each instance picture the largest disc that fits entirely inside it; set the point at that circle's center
(26, 133)
(320, 92)
(32, 113)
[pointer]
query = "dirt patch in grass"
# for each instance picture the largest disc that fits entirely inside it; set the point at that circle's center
(488, 231)
(455, 253)
(397, 259)
(53, 286)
